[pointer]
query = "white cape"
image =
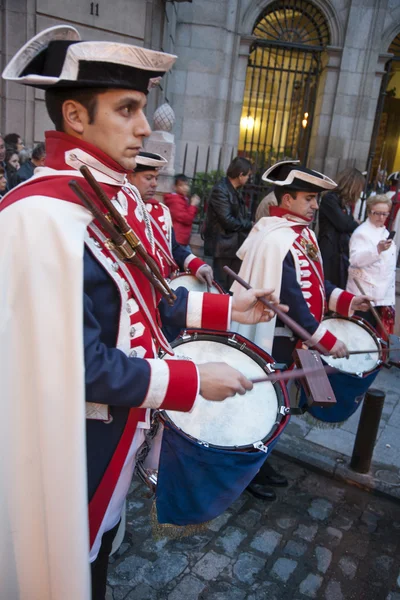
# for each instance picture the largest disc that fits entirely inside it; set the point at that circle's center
(44, 545)
(263, 253)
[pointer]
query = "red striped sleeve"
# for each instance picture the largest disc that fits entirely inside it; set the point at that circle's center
(173, 385)
(208, 311)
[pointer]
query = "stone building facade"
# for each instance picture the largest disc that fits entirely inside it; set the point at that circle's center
(209, 86)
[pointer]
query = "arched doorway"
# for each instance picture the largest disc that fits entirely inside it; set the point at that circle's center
(281, 81)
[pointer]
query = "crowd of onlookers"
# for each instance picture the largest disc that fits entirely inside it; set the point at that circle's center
(17, 163)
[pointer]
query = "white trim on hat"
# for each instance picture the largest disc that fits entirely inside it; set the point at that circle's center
(108, 52)
(323, 181)
(32, 48)
(147, 161)
(117, 53)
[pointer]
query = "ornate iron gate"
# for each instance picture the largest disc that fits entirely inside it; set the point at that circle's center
(281, 81)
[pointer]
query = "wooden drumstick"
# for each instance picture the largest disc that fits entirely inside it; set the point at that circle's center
(295, 327)
(373, 309)
(294, 374)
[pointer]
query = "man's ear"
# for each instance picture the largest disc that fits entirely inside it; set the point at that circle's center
(286, 201)
(75, 116)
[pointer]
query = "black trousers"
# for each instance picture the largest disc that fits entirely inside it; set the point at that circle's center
(100, 565)
(220, 276)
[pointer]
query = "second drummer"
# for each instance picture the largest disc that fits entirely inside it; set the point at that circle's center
(173, 255)
(282, 252)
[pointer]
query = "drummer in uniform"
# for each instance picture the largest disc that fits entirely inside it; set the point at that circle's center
(282, 251)
(173, 256)
(80, 328)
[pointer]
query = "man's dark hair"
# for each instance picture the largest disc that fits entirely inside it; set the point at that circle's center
(280, 191)
(181, 177)
(2, 170)
(39, 151)
(238, 166)
(11, 139)
(55, 99)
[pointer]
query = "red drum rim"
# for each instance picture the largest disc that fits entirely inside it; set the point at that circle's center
(188, 273)
(368, 327)
(262, 358)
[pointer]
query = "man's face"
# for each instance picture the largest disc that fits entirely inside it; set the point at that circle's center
(2, 150)
(20, 145)
(119, 126)
(146, 183)
(305, 204)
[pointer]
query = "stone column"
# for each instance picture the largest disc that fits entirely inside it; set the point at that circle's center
(323, 112)
(357, 90)
(162, 141)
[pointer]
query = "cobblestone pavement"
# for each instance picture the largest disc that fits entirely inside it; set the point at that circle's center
(320, 539)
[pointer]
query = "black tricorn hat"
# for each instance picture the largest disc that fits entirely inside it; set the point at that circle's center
(149, 161)
(291, 175)
(57, 58)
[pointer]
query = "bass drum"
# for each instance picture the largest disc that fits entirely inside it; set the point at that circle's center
(356, 373)
(200, 462)
(191, 283)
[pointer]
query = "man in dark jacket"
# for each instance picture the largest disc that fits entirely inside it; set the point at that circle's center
(227, 224)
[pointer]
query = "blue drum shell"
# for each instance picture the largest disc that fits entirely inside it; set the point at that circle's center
(349, 391)
(197, 483)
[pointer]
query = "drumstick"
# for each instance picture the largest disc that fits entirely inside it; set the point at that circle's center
(294, 374)
(373, 309)
(377, 351)
(295, 327)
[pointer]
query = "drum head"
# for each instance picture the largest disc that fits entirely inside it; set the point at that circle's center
(237, 421)
(191, 283)
(356, 336)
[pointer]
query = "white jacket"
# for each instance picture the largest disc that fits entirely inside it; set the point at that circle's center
(376, 272)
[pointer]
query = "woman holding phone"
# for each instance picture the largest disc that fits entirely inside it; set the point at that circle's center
(373, 261)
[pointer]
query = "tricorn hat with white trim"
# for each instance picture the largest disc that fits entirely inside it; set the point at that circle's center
(149, 161)
(291, 175)
(57, 58)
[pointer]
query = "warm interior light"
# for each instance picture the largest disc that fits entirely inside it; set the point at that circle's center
(247, 122)
(306, 115)
(304, 123)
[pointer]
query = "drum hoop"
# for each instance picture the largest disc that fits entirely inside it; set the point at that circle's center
(240, 343)
(369, 329)
(180, 274)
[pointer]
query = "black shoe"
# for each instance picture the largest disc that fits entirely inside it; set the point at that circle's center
(268, 476)
(261, 491)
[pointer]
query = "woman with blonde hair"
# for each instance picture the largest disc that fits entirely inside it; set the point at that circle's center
(336, 224)
(373, 262)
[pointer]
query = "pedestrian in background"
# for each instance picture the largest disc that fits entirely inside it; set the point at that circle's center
(373, 262)
(26, 171)
(227, 221)
(183, 210)
(12, 165)
(336, 224)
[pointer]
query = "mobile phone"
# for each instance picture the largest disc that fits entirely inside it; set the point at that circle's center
(391, 235)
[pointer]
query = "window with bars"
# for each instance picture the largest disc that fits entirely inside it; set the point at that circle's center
(281, 81)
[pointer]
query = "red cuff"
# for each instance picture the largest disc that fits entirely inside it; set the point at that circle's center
(328, 340)
(343, 303)
(208, 311)
(195, 264)
(183, 386)
(173, 384)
